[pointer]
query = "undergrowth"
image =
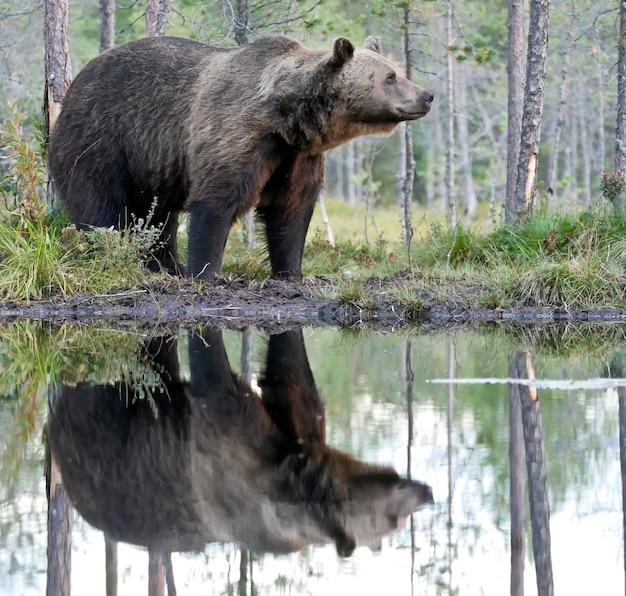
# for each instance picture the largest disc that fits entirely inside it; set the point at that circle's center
(40, 255)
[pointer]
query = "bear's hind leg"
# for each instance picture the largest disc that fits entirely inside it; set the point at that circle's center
(164, 255)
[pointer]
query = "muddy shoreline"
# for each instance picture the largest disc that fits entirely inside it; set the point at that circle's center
(273, 305)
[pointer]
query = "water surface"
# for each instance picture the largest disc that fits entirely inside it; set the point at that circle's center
(361, 402)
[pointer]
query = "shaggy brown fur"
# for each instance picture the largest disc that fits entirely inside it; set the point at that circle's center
(210, 461)
(176, 124)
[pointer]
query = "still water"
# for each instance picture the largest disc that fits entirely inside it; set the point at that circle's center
(328, 463)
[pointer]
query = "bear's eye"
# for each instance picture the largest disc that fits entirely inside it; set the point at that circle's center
(391, 78)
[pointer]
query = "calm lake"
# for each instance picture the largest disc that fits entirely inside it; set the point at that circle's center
(314, 461)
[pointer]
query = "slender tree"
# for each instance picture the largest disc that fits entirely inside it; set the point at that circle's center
(515, 69)
(107, 24)
(620, 132)
(57, 65)
(407, 164)
(470, 201)
(560, 111)
(526, 187)
(450, 194)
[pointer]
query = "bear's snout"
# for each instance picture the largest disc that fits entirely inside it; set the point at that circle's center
(428, 97)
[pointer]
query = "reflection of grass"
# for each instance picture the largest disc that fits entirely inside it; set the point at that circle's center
(33, 354)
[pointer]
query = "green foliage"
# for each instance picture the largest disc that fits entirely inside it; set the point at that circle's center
(612, 187)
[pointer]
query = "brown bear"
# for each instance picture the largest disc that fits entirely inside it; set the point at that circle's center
(179, 464)
(164, 124)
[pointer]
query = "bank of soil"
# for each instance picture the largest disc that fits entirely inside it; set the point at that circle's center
(275, 304)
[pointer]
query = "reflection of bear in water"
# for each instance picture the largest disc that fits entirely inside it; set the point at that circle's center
(162, 124)
(210, 461)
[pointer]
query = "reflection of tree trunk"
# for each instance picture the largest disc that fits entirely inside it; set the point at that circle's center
(59, 526)
(243, 572)
(621, 391)
(156, 574)
(410, 377)
(110, 552)
(247, 350)
(517, 456)
(450, 412)
(523, 367)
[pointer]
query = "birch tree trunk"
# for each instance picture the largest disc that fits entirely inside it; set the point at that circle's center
(526, 187)
(156, 17)
(450, 195)
(107, 25)
(57, 66)
(515, 68)
(620, 132)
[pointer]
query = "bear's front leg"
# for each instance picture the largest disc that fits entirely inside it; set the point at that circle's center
(286, 208)
(208, 232)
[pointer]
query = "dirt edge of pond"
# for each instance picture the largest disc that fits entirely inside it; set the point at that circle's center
(275, 304)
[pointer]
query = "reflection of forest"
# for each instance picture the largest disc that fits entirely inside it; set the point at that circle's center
(366, 415)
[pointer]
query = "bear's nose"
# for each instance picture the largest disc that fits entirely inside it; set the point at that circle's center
(428, 97)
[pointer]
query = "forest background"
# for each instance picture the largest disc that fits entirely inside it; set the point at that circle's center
(580, 89)
(458, 50)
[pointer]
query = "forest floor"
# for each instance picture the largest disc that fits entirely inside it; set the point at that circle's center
(274, 305)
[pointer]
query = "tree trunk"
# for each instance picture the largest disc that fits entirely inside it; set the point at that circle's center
(450, 195)
(526, 187)
(620, 140)
(57, 65)
(107, 25)
(515, 68)
(470, 202)
(599, 114)
(587, 158)
(242, 22)
(560, 112)
(620, 132)
(406, 133)
(156, 17)
(369, 195)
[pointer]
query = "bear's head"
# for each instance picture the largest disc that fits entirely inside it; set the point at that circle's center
(373, 94)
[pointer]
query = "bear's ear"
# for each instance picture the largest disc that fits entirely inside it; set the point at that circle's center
(343, 50)
(373, 43)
